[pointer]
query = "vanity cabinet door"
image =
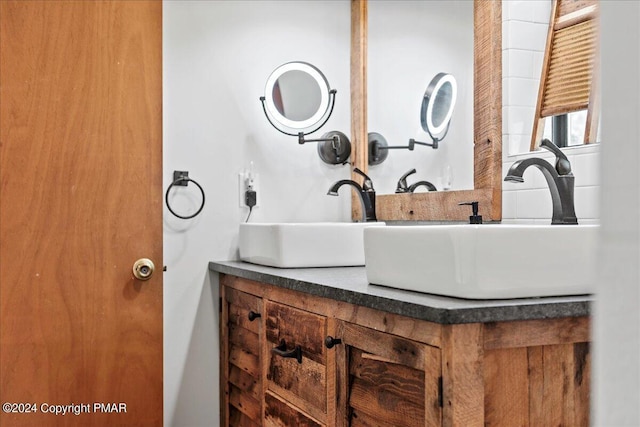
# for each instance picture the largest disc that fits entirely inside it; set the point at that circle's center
(296, 362)
(385, 380)
(279, 413)
(241, 361)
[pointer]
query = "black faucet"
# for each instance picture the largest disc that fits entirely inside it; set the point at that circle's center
(404, 188)
(559, 179)
(366, 192)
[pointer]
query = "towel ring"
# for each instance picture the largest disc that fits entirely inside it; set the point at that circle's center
(182, 179)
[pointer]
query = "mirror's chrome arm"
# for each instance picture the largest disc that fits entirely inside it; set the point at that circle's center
(413, 142)
(393, 147)
(334, 138)
(411, 146)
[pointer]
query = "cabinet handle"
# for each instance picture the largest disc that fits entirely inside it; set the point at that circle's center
(281, 350)
(253, 315)
(330, 341)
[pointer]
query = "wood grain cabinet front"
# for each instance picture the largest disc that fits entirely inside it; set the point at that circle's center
(241, 359)
(291, 359)
(385, 380)
(295, 357)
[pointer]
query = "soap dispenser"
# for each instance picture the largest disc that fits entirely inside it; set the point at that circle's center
(474, 218)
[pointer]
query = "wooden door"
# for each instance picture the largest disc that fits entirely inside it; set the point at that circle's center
(81, 201)
(301, 382)
(241, 361)
(386, 380)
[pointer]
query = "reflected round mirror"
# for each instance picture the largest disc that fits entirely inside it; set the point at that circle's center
(297, 95)
(438, 104)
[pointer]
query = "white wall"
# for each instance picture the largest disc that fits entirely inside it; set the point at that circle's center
(409, 43)
(524, 34)
(217, 57)
(616, 396)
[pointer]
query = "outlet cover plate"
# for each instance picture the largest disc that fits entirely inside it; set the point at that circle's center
(242, 188)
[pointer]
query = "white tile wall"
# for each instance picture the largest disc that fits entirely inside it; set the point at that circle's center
(525, 35)
(520, 89)
(528, 10)
(525, 26)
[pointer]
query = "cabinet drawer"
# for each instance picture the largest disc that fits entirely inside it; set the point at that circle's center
(304, 382)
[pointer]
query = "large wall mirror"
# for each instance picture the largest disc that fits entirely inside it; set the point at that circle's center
(479, 176)
(409, 42)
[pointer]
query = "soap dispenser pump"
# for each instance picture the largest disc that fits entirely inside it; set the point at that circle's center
(474, 218)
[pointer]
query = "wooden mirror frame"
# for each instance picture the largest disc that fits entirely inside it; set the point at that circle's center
(487, 126)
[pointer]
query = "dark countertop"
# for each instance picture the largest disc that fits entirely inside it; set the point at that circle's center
(349, 284)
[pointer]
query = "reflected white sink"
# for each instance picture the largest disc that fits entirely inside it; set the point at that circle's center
(316, 244)
(484, 261)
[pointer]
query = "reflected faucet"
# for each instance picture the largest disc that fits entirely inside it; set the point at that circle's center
(560, 180)
(403, 187)
(366, 192)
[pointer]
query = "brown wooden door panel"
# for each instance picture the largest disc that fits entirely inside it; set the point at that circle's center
(81, 201)
(538, 385)
(297, 326)
(238, 419)
(241, 362)
(386, 380)
(280, 414)
(244, 403)
(303, 384)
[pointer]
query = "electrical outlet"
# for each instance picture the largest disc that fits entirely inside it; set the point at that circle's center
(243, 186)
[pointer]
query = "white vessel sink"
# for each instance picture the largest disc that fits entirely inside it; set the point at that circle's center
(296, 245)
(484, 261)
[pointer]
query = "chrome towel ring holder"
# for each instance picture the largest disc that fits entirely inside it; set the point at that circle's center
(181, 179)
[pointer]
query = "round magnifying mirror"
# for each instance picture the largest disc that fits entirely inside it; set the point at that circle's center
(297, 95)
(438, 103)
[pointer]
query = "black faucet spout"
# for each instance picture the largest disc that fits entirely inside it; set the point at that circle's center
(403, 187)
(367, 198)
(333, 191)
(560, 186)
(426, 184)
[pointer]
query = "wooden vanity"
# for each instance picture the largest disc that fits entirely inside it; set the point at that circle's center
(321, 347)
